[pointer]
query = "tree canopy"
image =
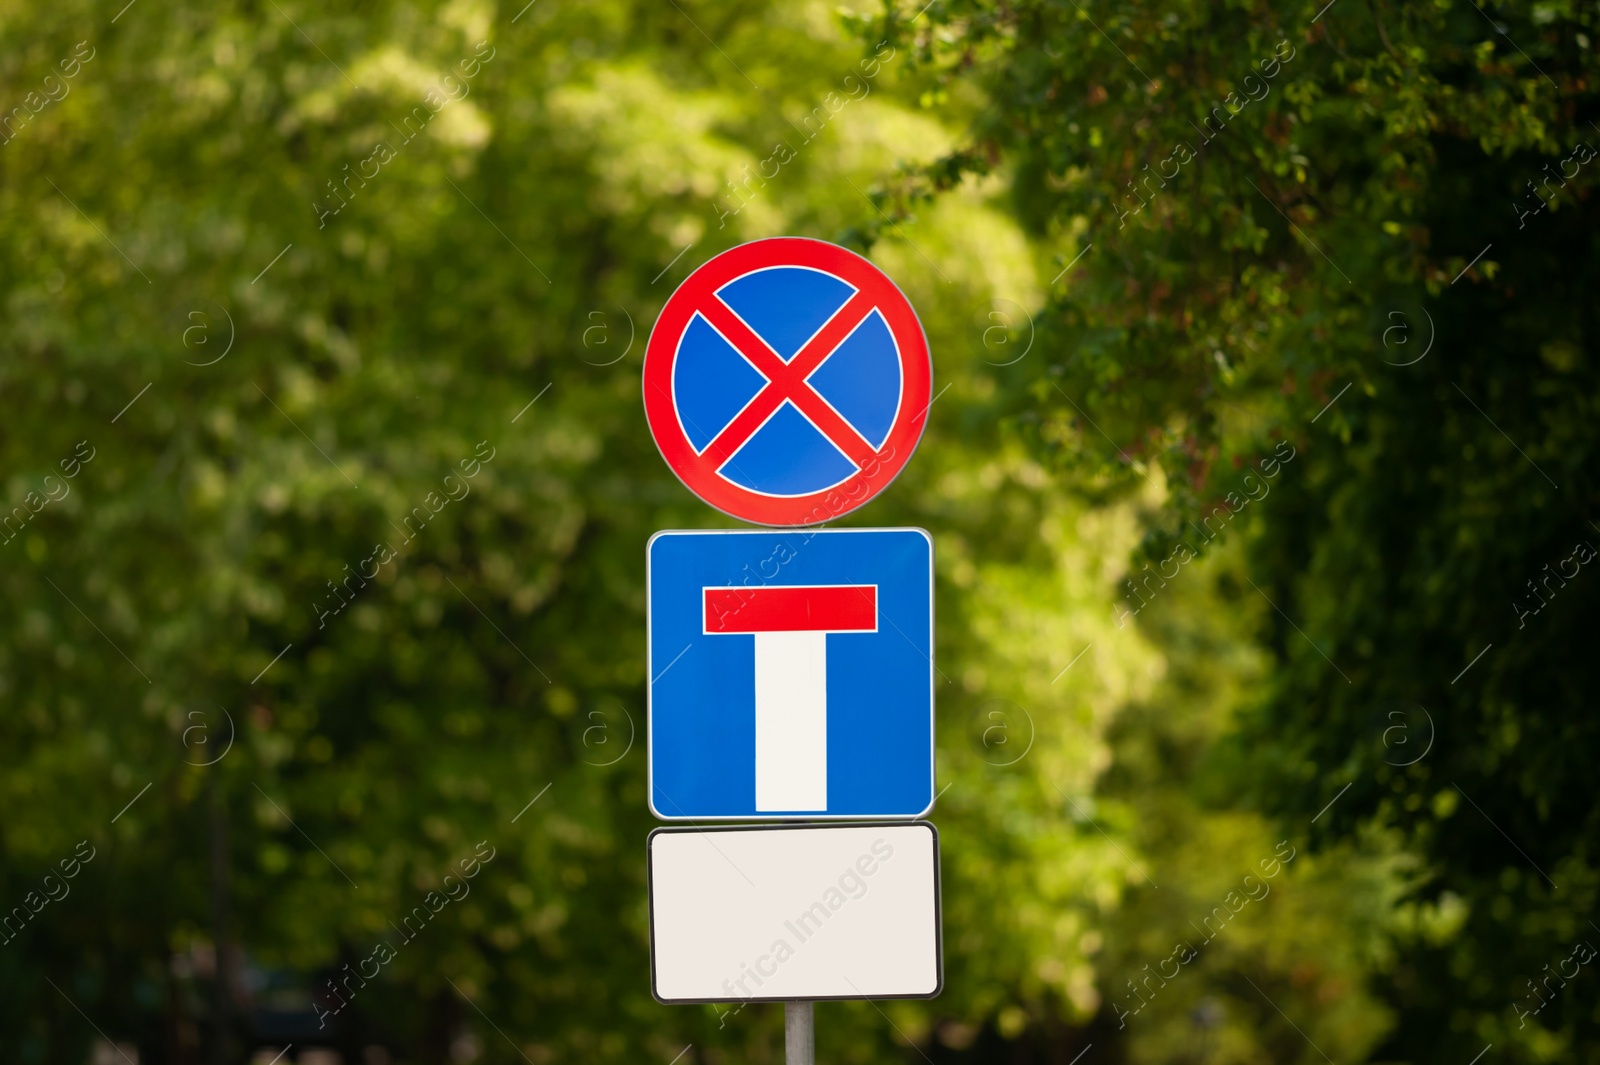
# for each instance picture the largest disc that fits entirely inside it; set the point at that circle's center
(1259, 466)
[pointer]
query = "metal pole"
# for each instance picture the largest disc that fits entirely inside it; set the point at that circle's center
(799, 1034)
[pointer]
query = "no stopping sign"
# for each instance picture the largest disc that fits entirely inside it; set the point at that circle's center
(787, 381)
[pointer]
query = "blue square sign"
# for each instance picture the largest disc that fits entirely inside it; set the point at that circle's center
(791, 674)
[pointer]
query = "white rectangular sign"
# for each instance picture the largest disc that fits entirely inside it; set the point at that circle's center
(783, 912)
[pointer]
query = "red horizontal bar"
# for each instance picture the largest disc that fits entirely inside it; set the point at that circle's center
(835, 608)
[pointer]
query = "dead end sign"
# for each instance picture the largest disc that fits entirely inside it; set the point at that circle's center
(791, 674)
(787, 381)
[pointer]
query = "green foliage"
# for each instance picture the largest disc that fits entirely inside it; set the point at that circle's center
(1385, 182)
(329, 324)
(379, 518)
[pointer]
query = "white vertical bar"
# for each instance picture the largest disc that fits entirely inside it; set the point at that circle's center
(791, 721)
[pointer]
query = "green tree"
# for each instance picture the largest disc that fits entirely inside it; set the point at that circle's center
(1366, 231)
(345, 309)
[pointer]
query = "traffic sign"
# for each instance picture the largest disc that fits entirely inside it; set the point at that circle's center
(794, 912)
(787, 381)
(791, 674)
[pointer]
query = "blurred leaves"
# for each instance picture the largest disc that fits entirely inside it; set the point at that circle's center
(387, 507)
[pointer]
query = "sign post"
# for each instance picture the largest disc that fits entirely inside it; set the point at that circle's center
(799, 1036)
(786, 383)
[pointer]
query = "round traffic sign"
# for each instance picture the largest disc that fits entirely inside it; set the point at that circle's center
(787, 381)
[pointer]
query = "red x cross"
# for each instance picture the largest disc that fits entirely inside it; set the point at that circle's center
(787, 380)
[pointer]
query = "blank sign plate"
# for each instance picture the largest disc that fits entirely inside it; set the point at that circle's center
(783, 912)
